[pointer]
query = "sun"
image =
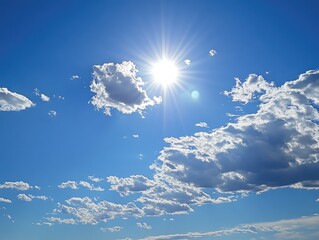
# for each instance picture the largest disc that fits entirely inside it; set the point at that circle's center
(165, 72)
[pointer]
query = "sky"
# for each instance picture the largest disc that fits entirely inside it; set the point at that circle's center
(136, 119)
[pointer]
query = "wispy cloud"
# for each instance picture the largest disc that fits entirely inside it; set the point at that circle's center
(11, 101)
(296, 228)
(112, 229)
(95, 179)
(143, 225)
(118, 86)
(52, 113)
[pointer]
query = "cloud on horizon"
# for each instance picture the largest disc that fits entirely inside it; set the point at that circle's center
(295, 228)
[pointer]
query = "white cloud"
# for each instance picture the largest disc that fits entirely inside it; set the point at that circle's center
(69, 184)
(11, 101)
(133, 184)
(95, 179)
(244, 92)
(44, 98)
(87, 211)
(24, 197)
(5, 200)
(188, 62)
(135, 136)
(90, 186)
(143, 225)
(52, 113)
(75, 185)
(74, 77)
(212, 52)
(296, 228)
(112, 229)
(202, 125)
(16, 185)
(30, 197)
(117, 86)
(278, 146)
(62, 221)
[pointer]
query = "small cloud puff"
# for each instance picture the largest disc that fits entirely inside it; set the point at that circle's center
(43, 97)
(202, 125)
(74, 77)
(212, 52)
(11, 101)
(188, 62)
(117, 86)
(52, 113)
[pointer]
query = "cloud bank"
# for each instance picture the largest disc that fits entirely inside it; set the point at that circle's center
(278, 146)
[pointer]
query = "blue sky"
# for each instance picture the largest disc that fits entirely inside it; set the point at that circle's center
(95, 145)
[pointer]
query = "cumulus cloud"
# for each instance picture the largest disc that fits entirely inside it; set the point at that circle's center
(143, 225)
(112, 229)
(135, 136)
(88, 211)
(11, 101)
(118, 86)
(30, 197)
(296, 228)
(202, 125)
(76, 185)
(245, 92)
(5, 200)
(24, 197)
(212, 52)
(20, 185)
(90, 186)
(133, 184)
(278, 146)
(188, 62)
(69, 184)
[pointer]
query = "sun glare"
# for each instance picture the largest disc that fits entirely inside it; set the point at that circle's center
(165, 72)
